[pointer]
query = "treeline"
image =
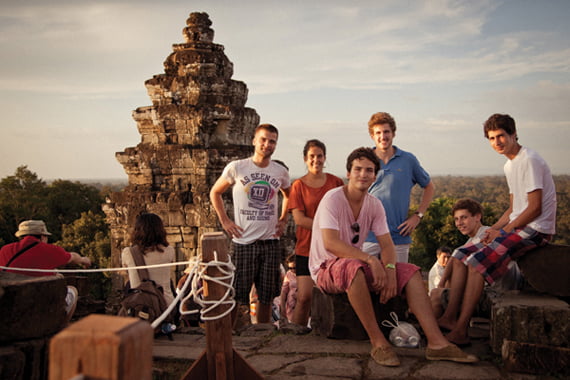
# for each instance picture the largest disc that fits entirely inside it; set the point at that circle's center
(72, 213)
(437, 227)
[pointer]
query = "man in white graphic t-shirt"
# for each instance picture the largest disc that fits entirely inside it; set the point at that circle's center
(256, 182)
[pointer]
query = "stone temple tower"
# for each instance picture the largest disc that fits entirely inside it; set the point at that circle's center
(197, 123)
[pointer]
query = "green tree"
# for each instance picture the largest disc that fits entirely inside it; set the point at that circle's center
(21, 197)
(66, 201)
(89, 236)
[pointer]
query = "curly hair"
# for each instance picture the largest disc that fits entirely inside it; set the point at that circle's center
(500, 121)
(360, 153)
(380, 118)
(149, 233)
(468, 204)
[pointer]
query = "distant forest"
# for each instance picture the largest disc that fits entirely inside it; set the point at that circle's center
(437, 227)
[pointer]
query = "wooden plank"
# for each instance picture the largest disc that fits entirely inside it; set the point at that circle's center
(103, 347)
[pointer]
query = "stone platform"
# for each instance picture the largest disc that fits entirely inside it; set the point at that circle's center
(278, 356)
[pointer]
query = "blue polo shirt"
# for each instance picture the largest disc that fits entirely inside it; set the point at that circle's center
(393, 185)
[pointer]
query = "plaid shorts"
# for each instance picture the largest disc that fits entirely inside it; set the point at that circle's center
(257, 263)
(336, 275)
(492, 260)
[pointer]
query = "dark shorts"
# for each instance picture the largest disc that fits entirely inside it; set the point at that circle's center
(257, 263)
(336, 275)
(302, 265)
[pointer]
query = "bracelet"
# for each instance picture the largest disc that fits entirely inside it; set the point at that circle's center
(390, 266)
(503, 232)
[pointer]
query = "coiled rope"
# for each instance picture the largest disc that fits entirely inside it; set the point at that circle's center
(196, 276)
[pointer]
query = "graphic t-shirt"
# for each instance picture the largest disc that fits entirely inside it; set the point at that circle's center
(255, 197)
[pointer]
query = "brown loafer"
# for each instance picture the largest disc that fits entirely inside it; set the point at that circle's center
(385, 356)
(451, 353)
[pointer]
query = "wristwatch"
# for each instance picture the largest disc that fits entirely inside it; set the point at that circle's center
(419, 214)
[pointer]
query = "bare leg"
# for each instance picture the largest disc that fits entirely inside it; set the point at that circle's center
(420, 305)
(263, 313)
(304, 295)
(435, 299)
(473, 291)
(359, 298)
(457, 288)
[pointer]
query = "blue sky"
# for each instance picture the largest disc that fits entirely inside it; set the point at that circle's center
(72, 72)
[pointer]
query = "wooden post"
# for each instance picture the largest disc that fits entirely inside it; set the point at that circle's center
(103, 347)
(219, 361)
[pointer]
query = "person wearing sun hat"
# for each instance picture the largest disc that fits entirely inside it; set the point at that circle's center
(34, 252)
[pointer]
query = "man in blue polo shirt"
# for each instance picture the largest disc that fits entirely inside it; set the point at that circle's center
(399, 172)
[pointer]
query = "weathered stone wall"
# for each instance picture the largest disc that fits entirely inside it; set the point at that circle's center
(197, 123)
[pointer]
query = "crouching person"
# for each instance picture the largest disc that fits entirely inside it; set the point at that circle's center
(337, 263)
(34, 252)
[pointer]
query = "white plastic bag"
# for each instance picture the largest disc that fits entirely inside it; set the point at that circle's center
(402, 334)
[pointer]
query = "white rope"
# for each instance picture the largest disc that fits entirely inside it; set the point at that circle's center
(85, 270)
(198, 275)
(195, 277)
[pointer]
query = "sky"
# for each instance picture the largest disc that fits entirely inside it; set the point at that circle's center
(71, 73)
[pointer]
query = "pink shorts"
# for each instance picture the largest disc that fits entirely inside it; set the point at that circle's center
(336, 275)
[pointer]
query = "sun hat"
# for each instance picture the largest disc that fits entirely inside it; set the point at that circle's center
(32, 227)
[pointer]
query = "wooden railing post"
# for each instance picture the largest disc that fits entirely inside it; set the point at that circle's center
(219, 361)
(103, 347)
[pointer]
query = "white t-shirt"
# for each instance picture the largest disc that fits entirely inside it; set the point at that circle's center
(334, 213)
(528, 172)
(255, 196)
(434, 276)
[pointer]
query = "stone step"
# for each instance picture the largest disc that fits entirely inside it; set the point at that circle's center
(547, 269)
(332, 315)
(536, 327)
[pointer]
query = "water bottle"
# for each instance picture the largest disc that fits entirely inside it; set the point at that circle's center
(398, 341)
(167, 328)
(413, 341)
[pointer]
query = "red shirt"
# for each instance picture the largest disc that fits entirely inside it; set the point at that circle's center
(41, 256)
(306, 199)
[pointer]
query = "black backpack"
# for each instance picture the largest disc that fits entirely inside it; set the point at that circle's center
(146, 301)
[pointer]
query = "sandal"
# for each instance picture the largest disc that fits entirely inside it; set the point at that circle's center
(385, 356)
(451, 353)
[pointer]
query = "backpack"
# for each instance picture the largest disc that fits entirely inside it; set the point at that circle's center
(146, 301)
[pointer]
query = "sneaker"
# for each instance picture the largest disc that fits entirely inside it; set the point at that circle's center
(70, 302)
(451, 353)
